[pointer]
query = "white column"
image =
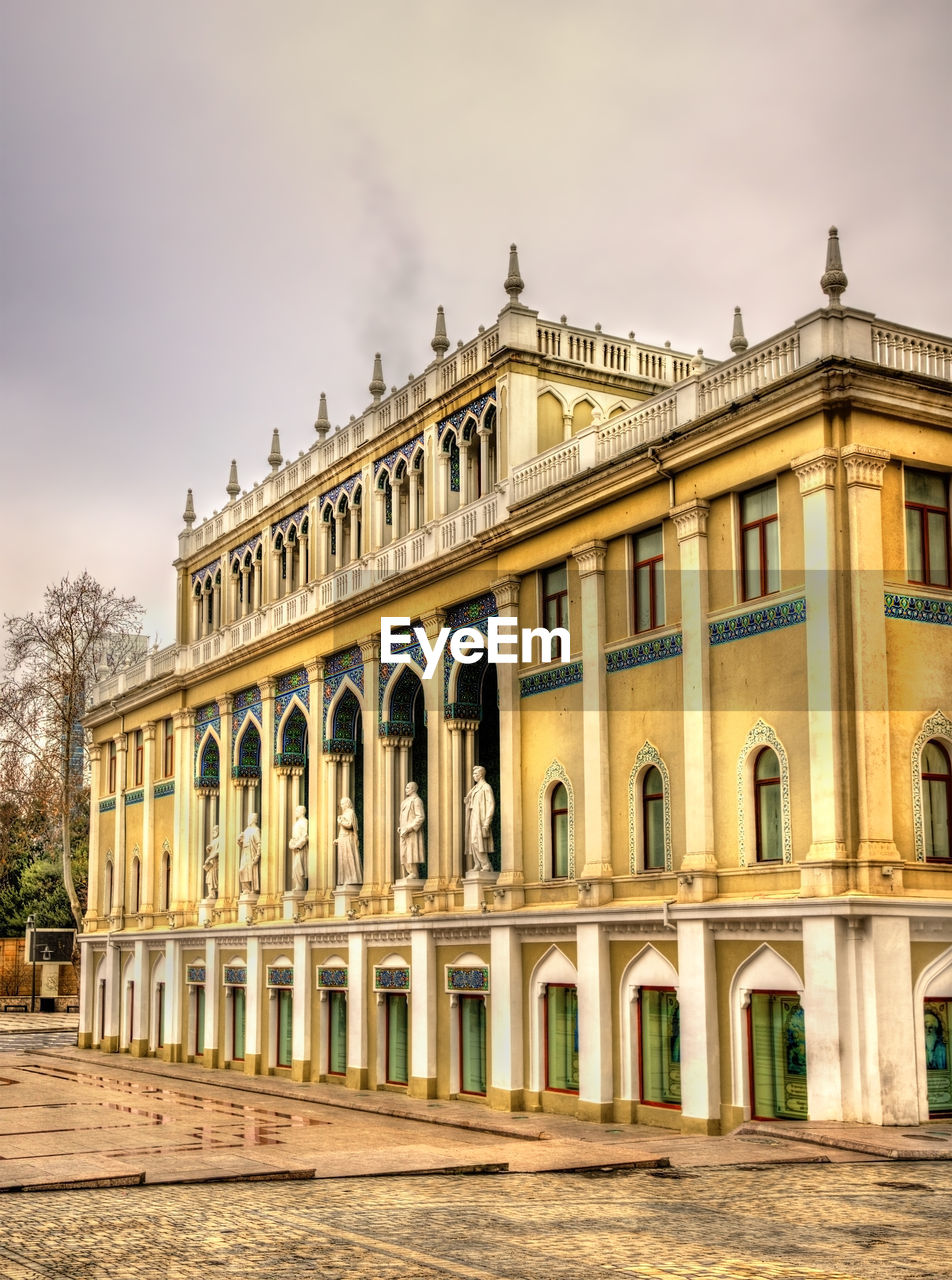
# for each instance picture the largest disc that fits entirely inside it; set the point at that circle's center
(828, 1025)
(95, 907)
(113, 974)
(358, 1075)
(119, 836)
(884, 985)
(412, 502)
(139, 1031)
(214, 1050)
(370, 649)
(509, 890)
(597, 867)
(147, 869)
(184, 801)
(301, 998)
(507, 1077)
(174, 1007)
(255, 1015)
(423, 1003)
(700, 1053)
(269, 819)
(594, 1023)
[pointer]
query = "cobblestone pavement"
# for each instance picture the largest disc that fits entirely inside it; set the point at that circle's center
(20, 1041)
(818, 1222)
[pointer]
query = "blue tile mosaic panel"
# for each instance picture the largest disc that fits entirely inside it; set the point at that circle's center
(235, 976)
(330, 498)
(105, 806)
(207, 571)
(280, 975)
(237, 554)
(406, 450)
(555, 678)
(771, 617)
(467, 978)
(163, 789)
(391, 979)
(134, 797)
(195, 974)
(474, 409)
(639, 655)
(296, 518)
(918, 609)
(332, 978)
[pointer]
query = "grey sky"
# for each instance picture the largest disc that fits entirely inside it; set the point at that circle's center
(212, 212)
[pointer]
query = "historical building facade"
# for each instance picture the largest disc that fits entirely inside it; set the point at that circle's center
(689, 864)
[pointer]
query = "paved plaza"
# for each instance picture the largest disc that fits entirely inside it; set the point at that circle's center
(117, 1169)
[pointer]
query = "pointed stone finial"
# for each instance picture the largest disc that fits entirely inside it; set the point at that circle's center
(377, 384)
(323, 423)
(514, 283)
(697, 364)
(441, 342)
(274, 457)
(233, 488)
(189, 514)
(833, 281)
(738, 340)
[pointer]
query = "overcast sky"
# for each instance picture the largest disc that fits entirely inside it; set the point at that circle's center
(213, 210)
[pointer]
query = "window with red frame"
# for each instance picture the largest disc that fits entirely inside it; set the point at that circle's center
(936, 802)
(759, 542)
(927, 528)
(555, 597)
(168, 749)
(137, 759)
(649, 580)
(767, 806)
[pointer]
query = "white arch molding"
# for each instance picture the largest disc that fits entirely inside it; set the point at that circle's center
(649, 968)
(938, 726)
(764, 970)
(554, 967)
(553, 776)
(934, 982)
(761, 735)
(646, 757)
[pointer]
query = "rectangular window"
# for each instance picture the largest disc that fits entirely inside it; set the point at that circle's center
(561, 1038)
(137, 758)
(660, 1034)
(168, 749)
(285, 1024)
(337, 1033)
(160, 1015)
(472, 1045)
(927, 528)
(938, 1062)
(238, 1024)
(111, 772)
(396, 1064)
(778, 1056)
(759, 546)
(555, 597)
(199, 1047)
(649, 580)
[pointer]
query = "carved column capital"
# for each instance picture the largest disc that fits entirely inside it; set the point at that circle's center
(370, 648)
(148, 731)
(815, 470)
(690, 518)
(226, 703)
(184, 718)
(432, 622)
(506, 592)
(864, 465)
(590, 557)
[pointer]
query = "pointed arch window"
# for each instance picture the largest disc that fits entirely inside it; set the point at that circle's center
(936, 802)
(767, 806)
(652, 819)
(559, 831)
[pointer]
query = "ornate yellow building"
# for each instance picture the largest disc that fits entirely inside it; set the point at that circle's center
(695, 868)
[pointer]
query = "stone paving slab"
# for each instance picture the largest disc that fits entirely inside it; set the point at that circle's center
(893, 1142)
(20, 1022)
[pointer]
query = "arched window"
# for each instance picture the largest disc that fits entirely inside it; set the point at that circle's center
(107, 889)
(165, 882)
(135, 896)
(652, 819)
(936, 801)
(559, 829)
(767, 806)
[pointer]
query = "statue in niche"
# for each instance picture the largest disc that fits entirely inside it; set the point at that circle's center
(348, 850)
(479, 804)
(298, 846)
(249, 842)
(410, 831)
(210, 865)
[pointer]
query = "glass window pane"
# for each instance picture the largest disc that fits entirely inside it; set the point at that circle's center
(654, 835)
(337, 1033)
(768, 766)
(768, 828)
(934, 759)
(927, 487)
(758, 503)
(238, 1025)
(778, 1053)
(938, 1058)
(938, 549)
(472, 1016)
(660, 1047)
(199, 1020)
(658, 570)
(561, 1008)
(915, 563)
(285, 1022)
(643, 598)
(772, 537)
(556, 579)
(752, 563)
(560, 845)
(935, 818)
(397, 1039)
(649, 544)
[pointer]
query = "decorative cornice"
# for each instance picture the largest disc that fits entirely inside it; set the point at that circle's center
(816, 471)
(864, 465)
(690, 518)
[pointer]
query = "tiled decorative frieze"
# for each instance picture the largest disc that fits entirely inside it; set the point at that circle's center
(405, 450)
(387, 979)
(297, 518)
(236, 975)
(329, 500)
(331, 978)
(207, 571)
(134, 797)
(471, 612)
(555, 678)
(347, 662)
(918, 609)
(467, 978)
(106, 806)
(475, 409)
(205, 716)
(771, 617)
(291, 682)
(639, 655)
(195, 974)
(164, 789)
(237, 554)
(280, 975)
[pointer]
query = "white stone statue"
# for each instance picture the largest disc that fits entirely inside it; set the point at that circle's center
(298, 846)
(480, 805)
(348, 849)
(210, 865)
(249, 842)
(410, 831)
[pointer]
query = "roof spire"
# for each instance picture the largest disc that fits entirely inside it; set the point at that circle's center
(441, 342)
(233, 488)
(514, 284)
(739, 342)
(377, 384)
(833, 281)
(189, 513)
(323, 423)
(274, 457)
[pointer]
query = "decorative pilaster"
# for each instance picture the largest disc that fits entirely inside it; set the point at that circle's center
(120, 870)
(423, 1060)
(816, 473)
(228, 815)
(864, 478)
(597, 870)
(690, 520)
(301, 1004)
(147, 874)
(509, 892)
(370, 651)
(318, 886)
(595, 1023)
(358, 1073)
(269, 820)
(95, 907)
(506, 1085)
(184, 801)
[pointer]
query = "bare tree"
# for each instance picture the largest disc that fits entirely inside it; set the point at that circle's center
(83, 632)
